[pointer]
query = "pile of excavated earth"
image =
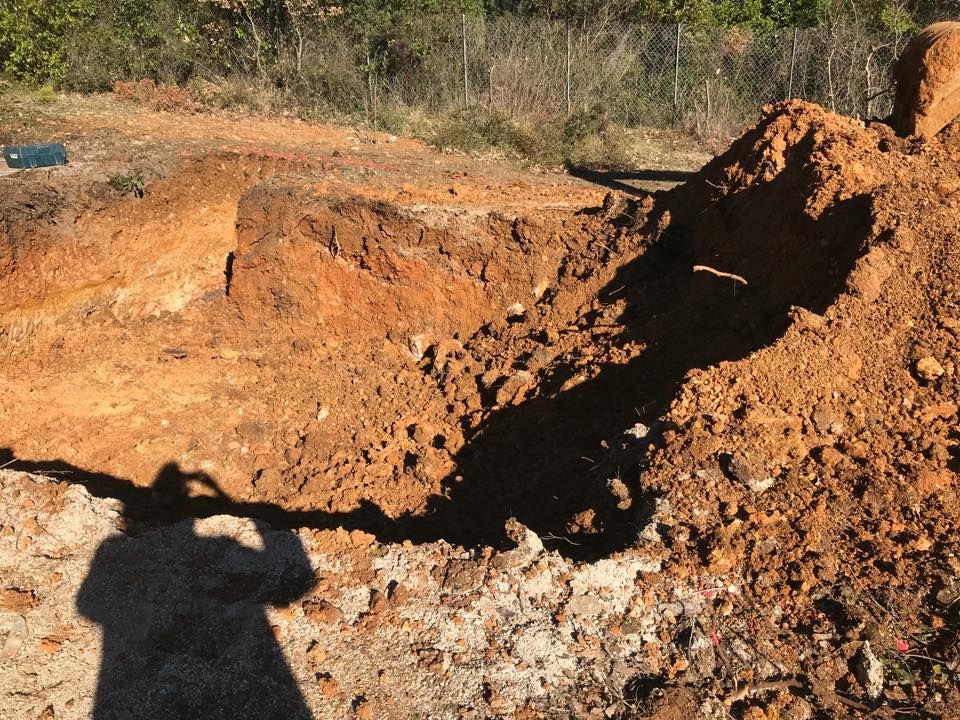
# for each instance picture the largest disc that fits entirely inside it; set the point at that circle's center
(691, 454)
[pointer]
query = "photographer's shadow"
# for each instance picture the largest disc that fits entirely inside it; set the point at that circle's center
(184, 618)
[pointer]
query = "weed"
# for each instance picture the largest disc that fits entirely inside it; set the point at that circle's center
(45, 95)
(129, 184)
(898, 671)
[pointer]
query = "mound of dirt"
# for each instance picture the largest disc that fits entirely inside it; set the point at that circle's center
(821, 469)
(793, 414)
(928, 81)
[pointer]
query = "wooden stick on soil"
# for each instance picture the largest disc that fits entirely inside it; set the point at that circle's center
(761, 687)
(720, 273)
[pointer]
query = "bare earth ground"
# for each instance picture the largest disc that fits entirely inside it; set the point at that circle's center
(86, 253)
(549, 452)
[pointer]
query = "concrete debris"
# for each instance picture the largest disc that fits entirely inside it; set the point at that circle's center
(870, 671)
(637, 432)
(297, 623)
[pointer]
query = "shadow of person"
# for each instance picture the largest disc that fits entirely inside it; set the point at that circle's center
(185, 628)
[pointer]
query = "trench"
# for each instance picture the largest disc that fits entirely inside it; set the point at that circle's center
(431, 375)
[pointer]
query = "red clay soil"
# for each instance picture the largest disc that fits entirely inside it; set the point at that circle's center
(927, 81)
(786, 413)
(822, 468)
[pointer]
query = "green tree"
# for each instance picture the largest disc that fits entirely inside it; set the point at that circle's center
(133, 39)
(33, 34)
(371, 19)
(794, 13)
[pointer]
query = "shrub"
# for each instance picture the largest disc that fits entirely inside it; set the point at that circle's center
(45, 94)
(585, 139)
(245, 95)
(474, 130)
(606, 150)
(335, 85)
(585, 123)
(33, 34)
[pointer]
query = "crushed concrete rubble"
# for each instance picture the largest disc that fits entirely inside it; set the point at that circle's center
(419, 632)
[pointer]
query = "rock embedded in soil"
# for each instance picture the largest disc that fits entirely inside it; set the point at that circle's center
(870, 671)
(14, 632)
(748, 472)
(929, 369)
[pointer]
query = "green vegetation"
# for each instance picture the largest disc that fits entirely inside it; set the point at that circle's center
(87, 44)
(395, 64)
(33, 36)
(583, 139)
(45, 94)
(132, 184)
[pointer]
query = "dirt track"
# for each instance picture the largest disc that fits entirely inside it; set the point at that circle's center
(423, 348)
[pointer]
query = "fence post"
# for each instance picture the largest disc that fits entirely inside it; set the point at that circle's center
(371, 87)
(568, 68)
(676, 74)
(793, 63)
(707, 85)
(466, 81)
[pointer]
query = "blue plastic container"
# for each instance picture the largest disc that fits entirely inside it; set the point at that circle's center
(34, 156)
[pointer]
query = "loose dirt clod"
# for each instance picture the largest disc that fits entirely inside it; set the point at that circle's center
(928, 81)
(929, 369)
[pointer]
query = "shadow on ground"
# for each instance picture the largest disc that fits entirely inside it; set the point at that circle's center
(184, 618)
(629, 181)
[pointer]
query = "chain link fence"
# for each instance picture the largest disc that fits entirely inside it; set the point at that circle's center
(711, 80)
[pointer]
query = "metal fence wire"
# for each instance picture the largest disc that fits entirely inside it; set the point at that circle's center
(712, 79)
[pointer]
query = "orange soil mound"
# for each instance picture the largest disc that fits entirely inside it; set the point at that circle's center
(822, 468)
(799, 431)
